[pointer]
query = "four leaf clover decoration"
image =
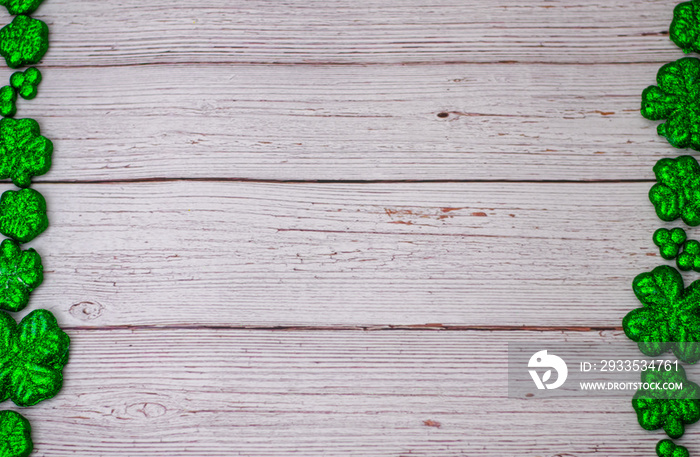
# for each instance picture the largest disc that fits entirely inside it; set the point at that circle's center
(24, 41)
(689, 259)
(670, 409)
(676, 193)
(676, 99)
(8, 101)
(20, 273)
(32, 356)
(667, 448)
(24, 153)
(685, 27)
(15, 7)
(669, 320)
(23, 214)
(15, 435)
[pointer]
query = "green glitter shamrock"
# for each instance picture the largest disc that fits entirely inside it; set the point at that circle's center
(32, 356)
(8, 101)
(15, 7)
(24, 153)
(15, 435)
(685, 30)
(669, 241)
(676, 99)
(667, 408)
(23, 214)
(27, 82)
(667, 448)
(669, 318)
(689, 259)
(677, 190)
(20, 273)
(24, 41)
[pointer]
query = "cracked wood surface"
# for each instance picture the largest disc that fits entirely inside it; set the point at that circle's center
(272, 254)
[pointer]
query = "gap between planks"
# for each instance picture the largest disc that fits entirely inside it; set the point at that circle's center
(341, 181)
(363, 328)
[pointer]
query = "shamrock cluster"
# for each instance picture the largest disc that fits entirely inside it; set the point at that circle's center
(34, 351)
(669, 318)
(673, 244)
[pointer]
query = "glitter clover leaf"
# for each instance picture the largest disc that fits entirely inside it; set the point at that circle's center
(27, 82)
(667, 448)
(667, 408)
(15, 435)
(676, 99)
(23, 214)
(24, 41)
(669, 320)
(24, 153)
(677, 190)
(8, 101)
(689, 259)
(20, 273)
(685, 27)
(15, 7)
(669, 241)
(32, 356)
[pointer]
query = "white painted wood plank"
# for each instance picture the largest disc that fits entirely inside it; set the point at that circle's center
(213, 253)
(531, 122)
(274, 393)
(133, 32)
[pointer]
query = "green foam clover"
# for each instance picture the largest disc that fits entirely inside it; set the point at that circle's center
(689, 259)
(24, 41)
(669, 241)
(669, 319)
(15, 435)
(27, 82)
(15, 7)
(24, 153)
(32, 356)
(676, 99)
(667, 408)
(667, 448)
(8, 101)
(685, 27)
(23, 214)
(20, 273)
(677, 190)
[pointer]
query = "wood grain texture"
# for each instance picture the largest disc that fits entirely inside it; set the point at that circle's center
(369, 32)
(508, 122)
(276, 393)
(233, 254)
(179, 260)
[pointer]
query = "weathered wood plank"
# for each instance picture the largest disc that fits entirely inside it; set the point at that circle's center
(262, 393)
(133, 32)
(513, 122)
(217, 253)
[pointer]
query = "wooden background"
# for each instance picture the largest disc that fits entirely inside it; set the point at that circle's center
(311, 227)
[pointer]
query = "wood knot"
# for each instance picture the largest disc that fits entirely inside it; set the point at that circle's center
(147, 410)
(86, 310)
(432, 423)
